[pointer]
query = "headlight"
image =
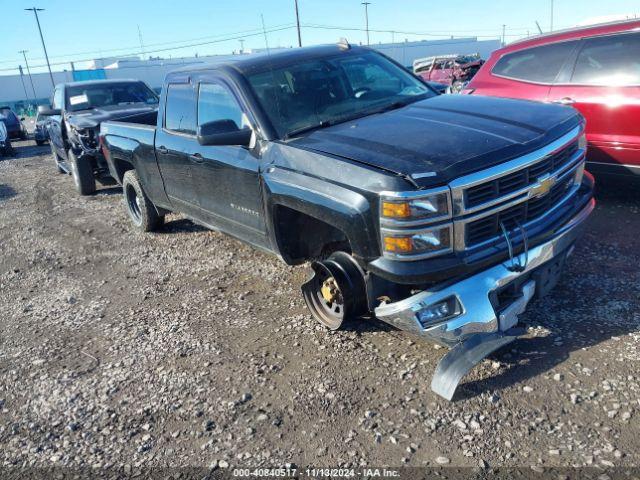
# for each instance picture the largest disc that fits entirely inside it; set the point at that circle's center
(412, 208)
(416, 244)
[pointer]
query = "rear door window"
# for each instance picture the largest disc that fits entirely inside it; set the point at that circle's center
(537, 64)
(180, 109)
(612, 60)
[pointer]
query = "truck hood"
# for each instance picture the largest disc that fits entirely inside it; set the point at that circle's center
(438, 139)
(93, 118)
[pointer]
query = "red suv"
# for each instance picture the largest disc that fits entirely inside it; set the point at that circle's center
(595, 69)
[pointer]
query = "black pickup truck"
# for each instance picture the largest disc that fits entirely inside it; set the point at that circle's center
(73, 122)
(442, 215)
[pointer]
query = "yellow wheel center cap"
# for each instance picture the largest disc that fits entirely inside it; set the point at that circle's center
(328, 289)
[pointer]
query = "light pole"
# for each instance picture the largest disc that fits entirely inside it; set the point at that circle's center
(46, 56)
(551, 23)
(366, 18)
(298, 24)
(23, 84)
(24, 54)
(504, 27)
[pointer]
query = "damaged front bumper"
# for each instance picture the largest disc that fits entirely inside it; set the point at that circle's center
(477, 322)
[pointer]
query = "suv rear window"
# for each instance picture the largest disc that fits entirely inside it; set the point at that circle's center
(612, 60)
(537, 64)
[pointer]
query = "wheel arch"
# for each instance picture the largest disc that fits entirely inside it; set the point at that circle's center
(318, 213)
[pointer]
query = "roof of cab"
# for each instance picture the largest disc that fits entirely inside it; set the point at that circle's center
(263, 61)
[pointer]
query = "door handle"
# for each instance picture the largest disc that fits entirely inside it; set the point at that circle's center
(565, 101)
(197, 158)
(163, 150)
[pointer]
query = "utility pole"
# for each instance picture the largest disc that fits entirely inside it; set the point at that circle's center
(23, 84)
(504, 27)
(44, 47)
(241, 45)
(551, 23)
(24, 54)
(366, 17)
(298, 24)
(141, 42)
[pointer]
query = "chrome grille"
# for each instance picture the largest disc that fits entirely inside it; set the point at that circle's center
(521, 191)
(488, 227)
(478, 195)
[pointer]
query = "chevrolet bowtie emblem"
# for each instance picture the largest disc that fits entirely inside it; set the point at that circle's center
(542, 186)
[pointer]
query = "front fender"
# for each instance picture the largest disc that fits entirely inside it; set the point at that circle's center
(340, 207)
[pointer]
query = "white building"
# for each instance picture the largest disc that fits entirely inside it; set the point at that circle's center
(153, 71)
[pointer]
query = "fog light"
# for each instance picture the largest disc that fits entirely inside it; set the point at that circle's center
(438, 312)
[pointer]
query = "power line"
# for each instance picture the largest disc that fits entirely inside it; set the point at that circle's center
(136, 49)
(418, 34)
(237, 37)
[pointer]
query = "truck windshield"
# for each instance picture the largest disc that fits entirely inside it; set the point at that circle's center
(84, 97)
(321, 92)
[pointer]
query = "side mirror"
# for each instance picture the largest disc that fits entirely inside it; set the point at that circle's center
(47, 111)
(223, 132)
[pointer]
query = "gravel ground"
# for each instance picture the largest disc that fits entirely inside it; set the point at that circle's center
(188, 348)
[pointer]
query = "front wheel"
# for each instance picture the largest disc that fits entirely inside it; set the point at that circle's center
(141, 210)
(336, 293)
(82, 172)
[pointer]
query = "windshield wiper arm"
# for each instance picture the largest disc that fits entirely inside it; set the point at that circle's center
(347, 118)
(309, 128)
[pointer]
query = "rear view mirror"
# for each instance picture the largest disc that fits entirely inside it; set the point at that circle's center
(47, 111)
(223, 132)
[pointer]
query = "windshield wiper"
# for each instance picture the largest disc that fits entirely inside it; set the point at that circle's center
(309, 128)
(347, 118)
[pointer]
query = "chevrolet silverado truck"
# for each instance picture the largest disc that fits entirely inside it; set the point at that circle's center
(73, 123)
(442, 215)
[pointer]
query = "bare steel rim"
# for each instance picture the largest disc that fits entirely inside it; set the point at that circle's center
(134, 203)
(73, 165)
(336, 291)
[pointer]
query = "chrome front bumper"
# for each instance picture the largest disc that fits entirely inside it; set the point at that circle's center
(477, 314)
(477, 329)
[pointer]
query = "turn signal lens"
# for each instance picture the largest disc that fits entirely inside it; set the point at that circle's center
(427, 207)
(398, 244)
(418, 242)
(396, 210)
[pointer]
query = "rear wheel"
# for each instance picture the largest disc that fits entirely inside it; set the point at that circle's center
(141, 210)
(336, 292)
(82, 172)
